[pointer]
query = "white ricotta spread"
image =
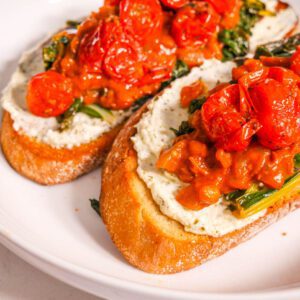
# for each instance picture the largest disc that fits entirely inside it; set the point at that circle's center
(83, 129)
(272, 28)
(154, 134)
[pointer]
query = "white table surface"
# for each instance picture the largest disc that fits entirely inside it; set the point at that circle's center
(20, 281)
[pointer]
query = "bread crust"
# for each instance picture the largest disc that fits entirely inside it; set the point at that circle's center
(148, 239)
(47, 165)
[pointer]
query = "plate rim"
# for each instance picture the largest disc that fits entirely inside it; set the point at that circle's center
(30, 252)
(25, 249)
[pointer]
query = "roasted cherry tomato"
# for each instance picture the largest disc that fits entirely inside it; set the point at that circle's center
(257, 73)
(223, 6)
(95, 44)
(192, 92)
(194, 24)
(250, 65)
(122, 62)
(285, 76)
(159, 60)
(241, 138)
(111, 31)
(295, 62)
(91, 51)
(198, 195)
(275, 105)
(174, 4)
(49, 94)
(278, 61)
(111, 2)
(224, 122)
(141, 18)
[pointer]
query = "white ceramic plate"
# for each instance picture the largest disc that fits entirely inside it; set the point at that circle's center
(55, 229)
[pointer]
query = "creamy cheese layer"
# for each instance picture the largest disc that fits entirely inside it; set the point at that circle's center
(154, 135)
(272, 28)
(83, 129)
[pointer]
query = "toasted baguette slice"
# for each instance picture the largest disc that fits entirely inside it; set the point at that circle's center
(148, 239)
(40, 161)
(46, 165)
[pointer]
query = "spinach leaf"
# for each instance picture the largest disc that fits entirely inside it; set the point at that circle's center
(250, 13)
(234, 195)
(196, 104)
(180, 70)
(96, 206)
(236, 41)
(56, 48)
(283, 48)
(140, 102)
(72, 23)
(66, 118)
(49, 55)
(184, 128)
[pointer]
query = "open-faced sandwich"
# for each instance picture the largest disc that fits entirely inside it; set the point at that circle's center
(208, 163)
(67, 100)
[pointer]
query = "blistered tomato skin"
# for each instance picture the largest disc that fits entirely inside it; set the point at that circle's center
(111, 31)
(159, 59)
(174, 4)
(91, 51)
(49, 94)
(122, 62)
(223, 6)
(194, 24)
(95, 44)
(142, 19)
(275, 108)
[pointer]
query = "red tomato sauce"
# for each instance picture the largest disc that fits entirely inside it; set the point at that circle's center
(245, 133)
(129, 47)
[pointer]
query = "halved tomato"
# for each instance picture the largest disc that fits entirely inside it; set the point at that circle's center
(275, 105)
(49, 94)
(225, 122)
(91, 51)
(122, 62)
(223, 6)
(141, 18)
(194, 24)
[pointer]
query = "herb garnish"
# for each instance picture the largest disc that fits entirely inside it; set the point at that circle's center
(184, 128)
(196, 104)
(92, 110)
(236, 41)
(180, 70)
(65, 119)
(140, 102)
(95, 204)
(72, 23)
(245, 199)
(54, 50)
(282, 48)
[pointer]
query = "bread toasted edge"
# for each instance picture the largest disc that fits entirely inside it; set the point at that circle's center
(150, 240)
(47, 165)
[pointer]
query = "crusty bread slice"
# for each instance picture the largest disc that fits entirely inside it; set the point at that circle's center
(46, 165)
(148, 239)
